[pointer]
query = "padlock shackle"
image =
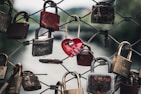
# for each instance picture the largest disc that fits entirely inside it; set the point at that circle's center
(120, 49)
(64, 82)
(37, 33)
(53, 4)
(20, 69)
(6, 57)
(25, 15)
(66, 26)
(105, 59)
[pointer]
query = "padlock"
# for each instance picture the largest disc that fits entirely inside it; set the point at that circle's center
(42, 46)
(5, 18)
(3, 65)
(121, 65)
(130, 85)
(103, 12)
(72, 46)
(30, 81)
(100, 82)
(85, 57)
(50, 20)
(15, 85)
(18, 29)
(78, 90)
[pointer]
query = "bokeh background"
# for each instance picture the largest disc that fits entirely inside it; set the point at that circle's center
(126, 30)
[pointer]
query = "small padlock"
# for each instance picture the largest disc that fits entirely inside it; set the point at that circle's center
(85, 57)
(130, 85)
(78, 90)
(3, 65)
(17, 29)
(99, 82)
(15, 85)
(103, 12)
(50, 20)
(122, 65)
(42, 46)
(30, 81)
(5, 18)
(72, 46)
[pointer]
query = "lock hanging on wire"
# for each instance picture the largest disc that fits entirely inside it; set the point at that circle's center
(99, 82)
(15, 85)
(121, 65)
(3, 65)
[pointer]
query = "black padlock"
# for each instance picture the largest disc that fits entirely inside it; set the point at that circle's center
(42, 46)
(103, 12)
(3, 65)
(30, 81)
(15, 85)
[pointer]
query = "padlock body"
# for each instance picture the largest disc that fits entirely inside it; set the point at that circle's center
(49, 20)
(42, 47)
(103, 13)
(129, 89)
(84, 58)
(18, 30)
(31, 83)
(15, 85)
(74, 91)
(98, 83)
(3, 70)
(121, 66)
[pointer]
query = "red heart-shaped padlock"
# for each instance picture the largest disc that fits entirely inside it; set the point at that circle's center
(72, 46)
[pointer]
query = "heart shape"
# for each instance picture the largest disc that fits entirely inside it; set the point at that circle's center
(72, 46)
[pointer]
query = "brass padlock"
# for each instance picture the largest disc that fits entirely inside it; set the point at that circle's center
(100, 82)
(3, 65)
(42, 45)
(78, 90)
(30, 81)
(15, 85)
(121, 65)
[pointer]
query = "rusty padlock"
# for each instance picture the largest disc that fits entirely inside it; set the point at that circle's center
(3, 65)
(121, 65)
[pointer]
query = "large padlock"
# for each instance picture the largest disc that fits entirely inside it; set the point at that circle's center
(85, 57)
(15, 85)
(121, 65)
(3, 65)
(42, 45)
(18, 29)
(30, 81)
(78, 90)
(100, 82)
(5, 18)
(103, 12)
(50, 20)
(72, 46)
(130, 85)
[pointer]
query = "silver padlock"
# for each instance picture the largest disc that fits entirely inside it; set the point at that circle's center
(3, 67)
(100, 82)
